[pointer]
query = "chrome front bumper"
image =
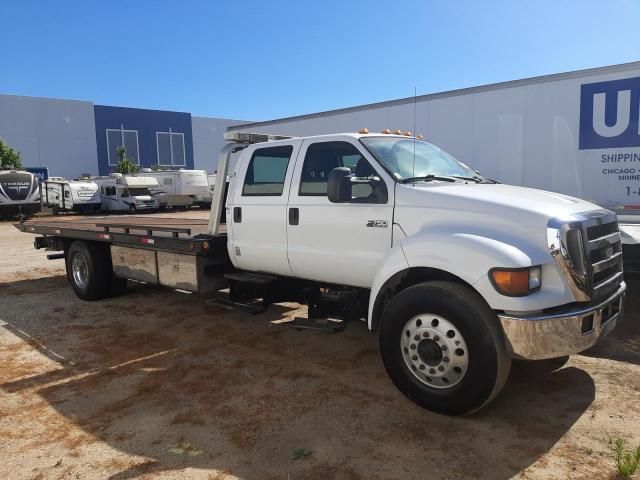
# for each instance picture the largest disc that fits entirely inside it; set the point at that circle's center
(543, 336)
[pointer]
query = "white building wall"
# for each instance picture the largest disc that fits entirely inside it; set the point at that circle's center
(58, 134)
(208, 139)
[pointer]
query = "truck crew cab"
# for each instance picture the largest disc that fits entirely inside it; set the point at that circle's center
(456, 273)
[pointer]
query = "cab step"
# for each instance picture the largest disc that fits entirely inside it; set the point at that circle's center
(248, 291)
(327, 325)
(250, 278)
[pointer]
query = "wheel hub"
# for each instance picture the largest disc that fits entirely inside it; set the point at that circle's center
(434, 351)
(430, 352)
(80, 270)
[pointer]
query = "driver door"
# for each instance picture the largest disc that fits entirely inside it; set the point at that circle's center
(342, 243)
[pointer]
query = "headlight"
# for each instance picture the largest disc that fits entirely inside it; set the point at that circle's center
(516, 282)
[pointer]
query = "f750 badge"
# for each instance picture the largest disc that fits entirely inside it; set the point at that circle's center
(377, 223)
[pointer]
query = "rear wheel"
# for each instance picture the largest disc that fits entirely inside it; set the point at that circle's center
(443, 348)
(90, 272)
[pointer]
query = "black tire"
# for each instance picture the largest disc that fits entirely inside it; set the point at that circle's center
(98, 274)
(488, 363)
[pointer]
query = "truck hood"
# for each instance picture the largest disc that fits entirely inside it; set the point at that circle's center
(514, 215)
(499, 196)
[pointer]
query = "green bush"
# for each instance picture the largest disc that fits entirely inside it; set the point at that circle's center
(9, 158)
(626, 461)
(125, 164)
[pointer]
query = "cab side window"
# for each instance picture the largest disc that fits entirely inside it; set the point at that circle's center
(266, 171)
(323, 157)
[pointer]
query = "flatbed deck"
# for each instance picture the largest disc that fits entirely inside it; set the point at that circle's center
(157, 232)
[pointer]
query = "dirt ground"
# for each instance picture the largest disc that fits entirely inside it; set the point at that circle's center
(156, 384)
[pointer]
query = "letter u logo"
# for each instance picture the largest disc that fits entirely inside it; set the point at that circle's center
(623, 114)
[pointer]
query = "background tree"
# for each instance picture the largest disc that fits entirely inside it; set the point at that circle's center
(9, 158)
(125, 164)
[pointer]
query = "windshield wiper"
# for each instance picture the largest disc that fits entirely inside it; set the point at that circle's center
(477, 179)
(471, 179)
(427, 178)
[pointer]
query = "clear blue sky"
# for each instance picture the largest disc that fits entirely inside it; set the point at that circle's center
(260, 59)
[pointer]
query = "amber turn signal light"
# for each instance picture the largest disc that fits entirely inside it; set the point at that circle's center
(516, 282)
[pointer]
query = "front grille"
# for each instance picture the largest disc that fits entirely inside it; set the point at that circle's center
(602, 230)
(602, 254)
(588, 251)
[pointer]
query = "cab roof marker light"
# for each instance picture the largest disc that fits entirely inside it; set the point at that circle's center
(420, 137)
(386, 131)
(363, 131)
(397, 132)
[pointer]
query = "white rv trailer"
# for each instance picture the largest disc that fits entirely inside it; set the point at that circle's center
(205, 199)
(127, 192)
(80, 195)
(19, 193)
(178, 188)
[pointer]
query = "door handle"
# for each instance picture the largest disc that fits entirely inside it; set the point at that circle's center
(237, 214)
(294, 216)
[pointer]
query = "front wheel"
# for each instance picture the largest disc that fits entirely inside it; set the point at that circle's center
(443, 348)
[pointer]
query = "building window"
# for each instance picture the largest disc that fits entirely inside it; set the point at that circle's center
(122, 138)
(170, 148)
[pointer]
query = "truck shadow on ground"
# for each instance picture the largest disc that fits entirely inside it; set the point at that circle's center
(159, 375)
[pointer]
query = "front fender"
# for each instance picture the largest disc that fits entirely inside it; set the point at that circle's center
(469, 257)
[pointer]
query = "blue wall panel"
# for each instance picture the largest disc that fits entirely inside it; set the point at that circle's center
(147, 123)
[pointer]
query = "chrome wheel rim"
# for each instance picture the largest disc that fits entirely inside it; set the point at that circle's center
(434, 351)
(80, 270)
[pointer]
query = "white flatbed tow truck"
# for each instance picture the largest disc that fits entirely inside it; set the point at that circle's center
(456, 273)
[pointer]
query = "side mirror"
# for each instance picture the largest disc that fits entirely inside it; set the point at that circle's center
(339, 185)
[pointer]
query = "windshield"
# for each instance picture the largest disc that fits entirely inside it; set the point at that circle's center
(397, 154)
(137, 192)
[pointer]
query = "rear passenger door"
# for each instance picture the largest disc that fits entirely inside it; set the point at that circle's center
(257, 216)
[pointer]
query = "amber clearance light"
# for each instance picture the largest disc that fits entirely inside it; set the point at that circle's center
(516, 282)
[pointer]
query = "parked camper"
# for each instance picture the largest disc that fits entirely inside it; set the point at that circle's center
(178, 188)
(19, 193)
(127, 192)
(81, 195)
(205, 199)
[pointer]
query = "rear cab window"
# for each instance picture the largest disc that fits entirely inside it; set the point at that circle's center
(266, 171)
